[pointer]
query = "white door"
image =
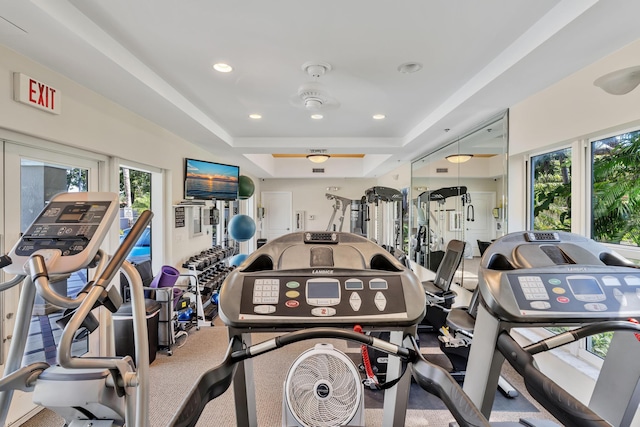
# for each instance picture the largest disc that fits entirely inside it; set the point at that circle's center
(31, 176)
(478, 220)
(277, 213)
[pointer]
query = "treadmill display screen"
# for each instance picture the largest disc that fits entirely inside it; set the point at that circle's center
(323, 289)
(586, 288)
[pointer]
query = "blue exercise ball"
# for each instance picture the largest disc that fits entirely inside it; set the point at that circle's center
(242, 228)
(236, 260)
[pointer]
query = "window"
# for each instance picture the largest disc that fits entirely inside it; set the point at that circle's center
(615, 189)
(135, 197)
(551, 191)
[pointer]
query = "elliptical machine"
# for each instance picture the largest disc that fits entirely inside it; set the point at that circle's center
(97, 391)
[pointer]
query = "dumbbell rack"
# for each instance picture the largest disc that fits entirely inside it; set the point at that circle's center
(209, 269)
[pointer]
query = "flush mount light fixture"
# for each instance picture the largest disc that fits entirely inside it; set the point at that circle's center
(619, 82)
(317, 116)
(222, 67)
(318, 158)
(378, 116)
(255, 116)
(459, 158)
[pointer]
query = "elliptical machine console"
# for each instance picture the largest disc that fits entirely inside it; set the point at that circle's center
(67, 233)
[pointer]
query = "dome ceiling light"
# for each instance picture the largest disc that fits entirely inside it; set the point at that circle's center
(619, 82)
(318, 156)
(459, 158)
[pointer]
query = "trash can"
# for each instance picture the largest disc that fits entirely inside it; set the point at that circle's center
(123, 329)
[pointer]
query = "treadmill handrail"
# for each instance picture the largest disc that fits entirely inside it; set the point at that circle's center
(579, 333)
(437, 381)
(430, 377)
(560, 403)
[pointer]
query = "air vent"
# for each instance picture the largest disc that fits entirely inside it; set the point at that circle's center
(537, 236)
(442, 170)
(319, 237)
(317, 170)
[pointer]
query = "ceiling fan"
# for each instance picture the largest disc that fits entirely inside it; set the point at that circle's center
(313, 96)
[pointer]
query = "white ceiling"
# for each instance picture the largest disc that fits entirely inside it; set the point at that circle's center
(155, 58)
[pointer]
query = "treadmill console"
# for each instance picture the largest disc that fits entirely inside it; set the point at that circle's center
(69, 230)
(557, 277)
(340, 279)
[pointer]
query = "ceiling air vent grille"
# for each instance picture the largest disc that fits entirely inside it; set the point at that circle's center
(442, 170)
(317, 170)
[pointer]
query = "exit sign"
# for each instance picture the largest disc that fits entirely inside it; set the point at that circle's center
(35, 93)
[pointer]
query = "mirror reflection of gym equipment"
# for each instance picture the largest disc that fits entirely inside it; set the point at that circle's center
(429, 245)
(484, 175)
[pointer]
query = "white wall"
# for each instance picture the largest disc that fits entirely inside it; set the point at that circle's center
(91, 122)
(309, 195)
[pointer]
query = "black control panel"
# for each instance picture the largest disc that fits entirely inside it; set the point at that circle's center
(311, 279)
(572, 294)
(557, 277)
(336, 297)
(64, 226)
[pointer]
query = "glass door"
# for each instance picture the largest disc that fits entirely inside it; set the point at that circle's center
(31, 177)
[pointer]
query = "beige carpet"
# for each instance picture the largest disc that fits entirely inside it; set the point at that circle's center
(173, 376)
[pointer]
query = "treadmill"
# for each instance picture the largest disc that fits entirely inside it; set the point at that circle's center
(538, 279)
(319, 285)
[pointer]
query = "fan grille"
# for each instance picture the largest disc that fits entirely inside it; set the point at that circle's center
(323, 389)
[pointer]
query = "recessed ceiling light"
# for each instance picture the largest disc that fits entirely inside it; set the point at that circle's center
(410, 67)
(222, 67)
(317, 116)
(255, 116)
(378, 116)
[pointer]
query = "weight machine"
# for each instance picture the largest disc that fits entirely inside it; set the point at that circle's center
(64, 238)
(386, 217)
(429, 242)
(339, 204)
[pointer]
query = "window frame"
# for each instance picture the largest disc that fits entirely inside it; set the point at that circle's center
(158, 189)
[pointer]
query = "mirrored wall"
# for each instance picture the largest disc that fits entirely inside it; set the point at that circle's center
(459, 192)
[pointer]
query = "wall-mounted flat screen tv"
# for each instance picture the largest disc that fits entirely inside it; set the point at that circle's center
(207, 180)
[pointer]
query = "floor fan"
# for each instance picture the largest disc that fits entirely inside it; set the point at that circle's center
(322, 389)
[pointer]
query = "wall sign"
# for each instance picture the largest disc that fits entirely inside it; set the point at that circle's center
(179, 216)
(36, 94)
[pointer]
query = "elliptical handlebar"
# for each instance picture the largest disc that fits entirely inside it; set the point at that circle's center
(87, 304)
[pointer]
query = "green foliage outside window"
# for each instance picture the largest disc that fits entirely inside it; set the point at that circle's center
(599, 344)
(616, 189)
(552, 191)
(135, 189)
